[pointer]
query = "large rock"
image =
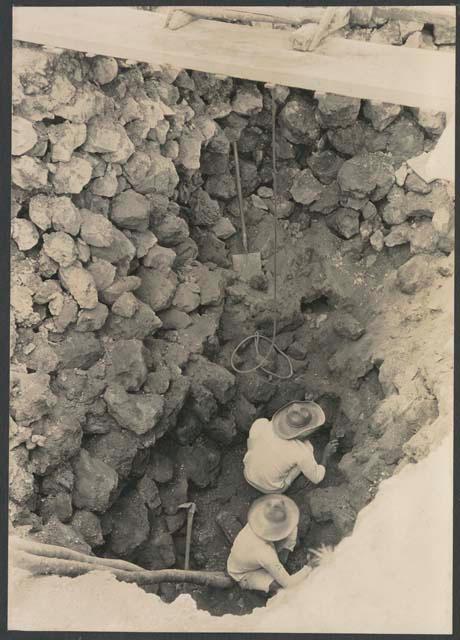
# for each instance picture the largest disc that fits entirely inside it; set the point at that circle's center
(104, 69)
(62, 434)
(20, 480)
(367, 175)
(57, 211)
(60, 247)
(248, 100)
(144, 322)
(157, 288)
(127, 364)
(30, 396)
(137, 412)
(24, 233)
(23, 136)
(151, 173)
(92, 319)
(298, 122)
(347, 326)
(345, 222)
(306, 188)
(203, 209)
(103, 273)
(65, 138)
(189, 153)
(96, 230)
(219, 381)
(415, 274)
(201, 463)
(62, 535)
(129, 524)
(28, 173)
(72, 176)
(222, 187)
(122, 285)
(80, 283)
(325, 165)
(337, 111)
(120, 249)
(381, 114)
(78, 350)
(158, 551)
(109, 137)
(95, 483)
(59, 505)
(406, 140)
(59, 480)
(89, 527)
(130, 210)
(117, 449)
(159, 258)
(171, 230)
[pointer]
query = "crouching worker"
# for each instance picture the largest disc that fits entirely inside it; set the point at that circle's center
(279, 450)
(270, 534)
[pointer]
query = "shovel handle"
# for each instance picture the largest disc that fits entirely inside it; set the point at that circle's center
(244, 236)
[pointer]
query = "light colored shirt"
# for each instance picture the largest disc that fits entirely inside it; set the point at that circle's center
(250, 553)
(272, 463)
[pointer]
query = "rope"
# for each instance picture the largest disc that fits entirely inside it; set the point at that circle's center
(257, 337)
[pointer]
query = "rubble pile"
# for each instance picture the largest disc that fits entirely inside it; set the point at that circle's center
(125, 309)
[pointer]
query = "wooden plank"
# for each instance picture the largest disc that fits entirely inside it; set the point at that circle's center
(286, 15)
(385, 73)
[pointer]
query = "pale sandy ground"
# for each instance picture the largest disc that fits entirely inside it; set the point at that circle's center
(393, 575)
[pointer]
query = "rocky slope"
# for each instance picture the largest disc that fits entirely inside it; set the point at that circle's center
(125, 309)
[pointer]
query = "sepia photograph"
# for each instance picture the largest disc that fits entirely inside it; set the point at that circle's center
(231, 323)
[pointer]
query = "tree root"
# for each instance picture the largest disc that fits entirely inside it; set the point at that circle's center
(42, 559)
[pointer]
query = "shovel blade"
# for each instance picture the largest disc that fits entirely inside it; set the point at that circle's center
(247, 265)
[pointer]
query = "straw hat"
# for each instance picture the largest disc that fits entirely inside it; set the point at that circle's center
(298, 419)
(273, 517)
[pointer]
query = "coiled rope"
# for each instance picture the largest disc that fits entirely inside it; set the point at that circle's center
(257, 337)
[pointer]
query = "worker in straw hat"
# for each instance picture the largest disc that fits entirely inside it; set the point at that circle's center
(256, 557)
(279, 450)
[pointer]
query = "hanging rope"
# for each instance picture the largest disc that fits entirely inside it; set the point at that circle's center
(257, 337)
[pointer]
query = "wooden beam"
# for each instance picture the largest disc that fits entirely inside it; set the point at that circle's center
(386, 73)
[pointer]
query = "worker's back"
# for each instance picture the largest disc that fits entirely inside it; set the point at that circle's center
(270, 459)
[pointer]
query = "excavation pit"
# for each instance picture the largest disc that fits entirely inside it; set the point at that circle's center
(126, 309)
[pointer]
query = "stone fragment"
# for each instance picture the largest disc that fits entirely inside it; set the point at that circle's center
(171, 230)
(117, 449)
(189, 154)
(328, 200)
(23, 136)
(345, 222)
(223, 228)
(104, 69)
(399, 234)
(369, 211)
(92, 319)
(222, 187)
(60, 247)
(395, 210)
(72, 176)
(120, 249)
(306, 188)
(137, 412)
(106, 185)
(414, 183)
(160, 258)
(96, 230)
(20, 479)
(65, 310)
(130, 210)
(78, 350)
(65, 138)
(126, 305)
(201, 463)
(414, 274)
(298, 122)
(366, 175)
(143, 323)
(59, 506)
(335, 110)
(63, 535)
(151, 173)
(406, 140)
(203, 209)
(187, 297)
(347, 326)
(434, 122)
(24, 233)
(158, 551)
(130, 524)
(28, 173)
(381, 114)
(80, 283)
(248, 100)
(119, 286)
(325, 165)
(222, 429)
(89, 527)
(160, 467)
(62, 435)
(58, 480)
(157, 288)
(127, 365)
(85, 102)
(175, 319)
(95, 483)
(423, 238)
(377, 240)
(213, 377)
(30, 396)
(103, 273)
(109, 137)
(143, 241)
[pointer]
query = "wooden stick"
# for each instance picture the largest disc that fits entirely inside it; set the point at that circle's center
(284, 15)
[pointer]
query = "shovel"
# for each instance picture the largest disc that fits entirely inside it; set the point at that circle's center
(245, 264)
(191, 508)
